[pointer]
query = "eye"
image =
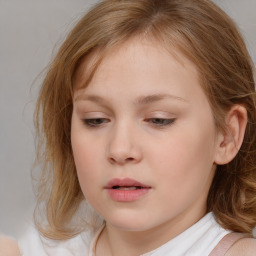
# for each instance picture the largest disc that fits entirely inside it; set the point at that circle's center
(95, 122)
(161, 121)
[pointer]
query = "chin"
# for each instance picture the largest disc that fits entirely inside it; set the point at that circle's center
(127, 221)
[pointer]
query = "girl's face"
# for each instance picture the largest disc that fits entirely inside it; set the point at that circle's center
(144, 139)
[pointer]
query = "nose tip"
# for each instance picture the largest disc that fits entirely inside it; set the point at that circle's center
(123, 147)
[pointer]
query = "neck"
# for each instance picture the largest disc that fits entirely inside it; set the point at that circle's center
(115, 242)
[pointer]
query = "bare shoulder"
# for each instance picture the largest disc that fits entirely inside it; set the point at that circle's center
(8, 247)
(245, 247)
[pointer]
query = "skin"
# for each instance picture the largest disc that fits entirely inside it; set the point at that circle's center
(245, 247)
(144, 116)
(8, 247)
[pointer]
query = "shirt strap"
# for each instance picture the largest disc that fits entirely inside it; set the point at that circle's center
(226, 242)
(92, 248)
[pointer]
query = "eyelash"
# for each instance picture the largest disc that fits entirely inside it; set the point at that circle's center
(159, 122)
(94, 122)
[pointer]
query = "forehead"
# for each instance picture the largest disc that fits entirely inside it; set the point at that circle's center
(137, 51)
(138, 69)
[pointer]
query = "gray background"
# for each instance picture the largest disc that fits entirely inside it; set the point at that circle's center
(30, 33)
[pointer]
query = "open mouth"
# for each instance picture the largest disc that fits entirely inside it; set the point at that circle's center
(127, 187)
(125, 184)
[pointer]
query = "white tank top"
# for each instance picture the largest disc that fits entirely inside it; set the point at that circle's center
(198, 240)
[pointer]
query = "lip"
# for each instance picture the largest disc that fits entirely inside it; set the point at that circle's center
(131, 190)
(125, 182)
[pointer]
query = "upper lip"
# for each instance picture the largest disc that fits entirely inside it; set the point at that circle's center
(125, 182)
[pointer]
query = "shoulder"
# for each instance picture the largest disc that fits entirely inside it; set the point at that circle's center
(8, 247)
(245, 247)
(33, 243)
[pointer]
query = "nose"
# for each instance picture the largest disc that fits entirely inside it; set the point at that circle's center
(124, 146)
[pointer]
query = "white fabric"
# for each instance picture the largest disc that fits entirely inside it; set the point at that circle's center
(198, 240)
(32, 244)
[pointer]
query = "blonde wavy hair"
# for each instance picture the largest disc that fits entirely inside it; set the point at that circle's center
(210, 39)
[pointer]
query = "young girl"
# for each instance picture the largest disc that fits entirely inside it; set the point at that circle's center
(146, 122)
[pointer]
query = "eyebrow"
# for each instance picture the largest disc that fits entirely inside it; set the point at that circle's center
(142, 100)
(93, 98)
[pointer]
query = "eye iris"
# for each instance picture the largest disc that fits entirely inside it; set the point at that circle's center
(97, 121)
(158, 120)
(94, 122)
(161, 121)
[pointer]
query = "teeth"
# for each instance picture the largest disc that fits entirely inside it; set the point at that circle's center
(126, 188)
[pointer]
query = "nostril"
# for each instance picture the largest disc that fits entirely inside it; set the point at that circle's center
(112, 160)
(121, 161)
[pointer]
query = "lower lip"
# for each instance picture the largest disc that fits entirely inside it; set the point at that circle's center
(127, 195)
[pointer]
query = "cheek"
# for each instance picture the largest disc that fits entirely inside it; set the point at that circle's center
(85, 156)
(184, 172)
(86, 159)
(186, 158)
(85, 166)
(84, 146)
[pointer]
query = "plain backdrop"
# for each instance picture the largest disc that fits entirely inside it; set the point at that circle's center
(30, 33)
